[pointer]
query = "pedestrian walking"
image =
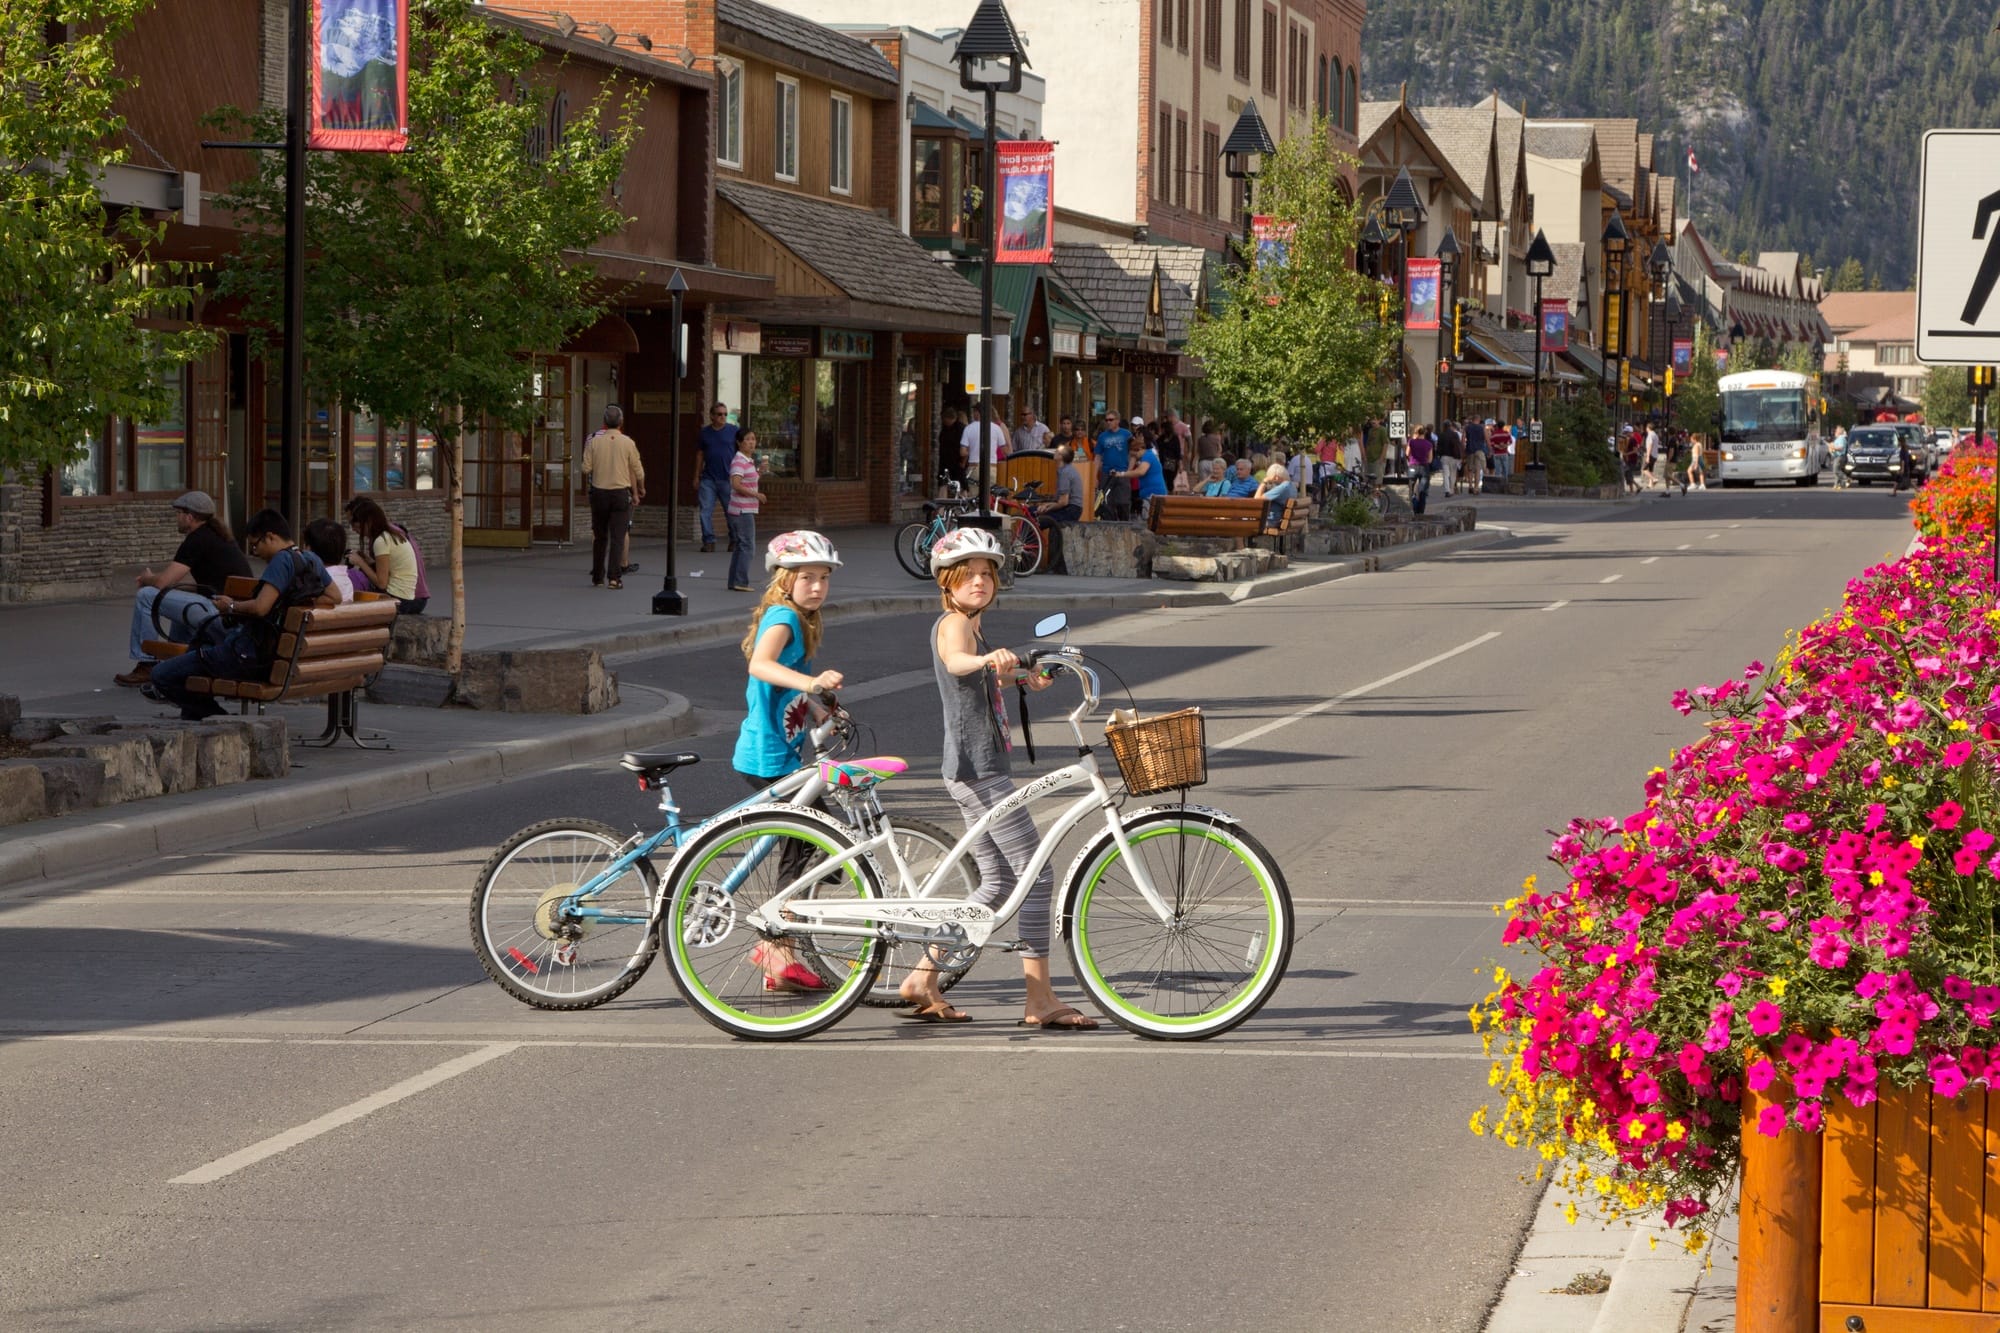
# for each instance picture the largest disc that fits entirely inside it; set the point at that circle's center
(1477, 452)
(1171, 445)
(617, 482)
(1697, 466)
(1030, 434)
(1501, 440)
(208, 558)
(1148, 478)
(718, 454)
(994, 449)
(1450, 456)
(1114, 457)
(746, 497)
(780, 645)
(1423, 457)
(978, 776)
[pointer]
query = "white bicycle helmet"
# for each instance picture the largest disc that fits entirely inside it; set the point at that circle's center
(963, 544)
(793, 550)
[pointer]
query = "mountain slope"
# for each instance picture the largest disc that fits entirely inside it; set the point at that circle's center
(1805, 115)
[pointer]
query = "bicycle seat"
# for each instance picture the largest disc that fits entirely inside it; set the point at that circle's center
(857, 774)
(657, 763)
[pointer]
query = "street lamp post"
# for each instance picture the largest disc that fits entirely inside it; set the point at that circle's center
(1616, 241)
(1658, 265)
(1979, 384)
(1541, 264)
(1447, 256)
(1673, 317)
(990, 60)
(1243, 160)
(1404, 211)
(670, 600)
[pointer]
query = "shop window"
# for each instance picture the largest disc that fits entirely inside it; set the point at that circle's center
(937, 182)
(840, 169)
(364, 452)
(912, 465)
(126, 457)
(787, 125)
(838, 396)
(974, 207)
(729, 117)
(771, 406)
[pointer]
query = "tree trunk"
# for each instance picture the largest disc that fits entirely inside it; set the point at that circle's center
(454, 652)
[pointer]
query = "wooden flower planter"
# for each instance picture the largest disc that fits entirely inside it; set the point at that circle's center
(1887, 1222)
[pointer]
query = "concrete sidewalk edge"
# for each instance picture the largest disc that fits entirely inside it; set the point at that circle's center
(1653, 1277)
(140, 832)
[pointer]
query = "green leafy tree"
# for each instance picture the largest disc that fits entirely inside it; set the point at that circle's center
(1576, 442)
(1945, 398)
(1799, 358)
(434, 272)
(77, 278)
(1296, 348)
(1698, 395)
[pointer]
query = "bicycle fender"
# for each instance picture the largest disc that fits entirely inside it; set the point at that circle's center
(1092, 848)
(845, 834)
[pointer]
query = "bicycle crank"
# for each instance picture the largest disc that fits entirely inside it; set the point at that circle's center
(711, 916)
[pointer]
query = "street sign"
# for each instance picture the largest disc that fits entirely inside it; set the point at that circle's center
(1958, 248)
(1534, 432)
(1399, 425)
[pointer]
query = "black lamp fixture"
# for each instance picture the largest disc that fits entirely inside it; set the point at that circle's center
(1401, 206)
(1617, 240)
(1373, 238)
(1541, 264)
(1447, 257)
(991, 56)
(1243, 155)
(1661, 264)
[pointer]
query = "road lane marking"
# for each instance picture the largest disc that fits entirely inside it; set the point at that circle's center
(1611, 578)
(1735, 525)
(822, 1044)
(1649, 560)
(1711, 536)
(1313, 710)
(332, 1120)
(217, 937)
(1557, 606)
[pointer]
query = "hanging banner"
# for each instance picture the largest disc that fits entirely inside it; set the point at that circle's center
(1026, 172)
(1271, 240)
(1554, 326)
(360, 76)
(1683, 356)
(1425, 278)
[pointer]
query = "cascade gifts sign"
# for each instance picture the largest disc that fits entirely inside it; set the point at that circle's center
(360, 76)
(1026, 171)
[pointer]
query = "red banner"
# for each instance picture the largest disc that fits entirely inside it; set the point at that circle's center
(1422, 293)
(1552, 323)
(360, 76)
(1026, 171)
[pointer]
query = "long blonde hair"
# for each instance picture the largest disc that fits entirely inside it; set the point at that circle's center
(949, 579)
(779, 590)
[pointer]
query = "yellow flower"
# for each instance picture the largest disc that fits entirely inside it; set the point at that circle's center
(1569, 1213)
(1676, 1131)
(1875, 878)
(1889, 781)
(1478, 1125)
(1892, 737)
(1776, 985)
(1960, 724)
(1917, 842)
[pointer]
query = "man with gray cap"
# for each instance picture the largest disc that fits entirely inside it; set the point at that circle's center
(207, 558)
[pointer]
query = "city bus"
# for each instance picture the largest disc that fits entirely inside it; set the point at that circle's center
(1770, 429)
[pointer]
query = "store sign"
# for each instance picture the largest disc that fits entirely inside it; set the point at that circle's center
(847, 345)
(360, 76)
(1165, 364)
(788, 342)
(1090, 347)
(1068, 342)
(736, 335)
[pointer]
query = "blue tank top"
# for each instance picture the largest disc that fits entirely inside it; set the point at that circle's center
(762, 747)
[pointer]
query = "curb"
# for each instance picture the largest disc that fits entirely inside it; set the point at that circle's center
(1653, 1277)
(272, 808)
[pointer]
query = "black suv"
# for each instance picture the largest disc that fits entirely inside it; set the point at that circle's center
(1871, 455)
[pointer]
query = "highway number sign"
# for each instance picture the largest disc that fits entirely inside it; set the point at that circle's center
(1399, 426)
(1534, 432)
(1958, 248)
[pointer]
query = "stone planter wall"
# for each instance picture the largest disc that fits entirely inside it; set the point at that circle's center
(75, 764)
(1334, 539)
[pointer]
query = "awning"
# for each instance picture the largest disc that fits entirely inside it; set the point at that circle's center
(1588, 361)
(924, 116)
(1496, 363)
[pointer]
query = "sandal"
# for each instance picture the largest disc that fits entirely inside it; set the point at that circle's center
(615, 584)
(1064, 1019)
(941, 1012)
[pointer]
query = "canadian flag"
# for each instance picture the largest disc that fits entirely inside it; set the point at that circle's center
(1693, 167)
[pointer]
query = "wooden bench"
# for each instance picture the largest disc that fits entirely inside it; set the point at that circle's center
(329, 651)
(1210, 516)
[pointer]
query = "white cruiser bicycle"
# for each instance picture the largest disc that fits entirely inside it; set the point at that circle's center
(1177, 921)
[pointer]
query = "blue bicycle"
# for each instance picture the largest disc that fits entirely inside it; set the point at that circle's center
(563, 913)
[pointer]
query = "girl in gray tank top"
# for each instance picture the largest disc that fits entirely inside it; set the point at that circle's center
(976, 776)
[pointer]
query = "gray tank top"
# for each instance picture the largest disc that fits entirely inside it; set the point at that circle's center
(975, 728)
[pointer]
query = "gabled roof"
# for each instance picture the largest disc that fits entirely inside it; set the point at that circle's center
(1562, 140)
(1399, 113)
(1372, 116)
(856, 249)
(1618, 152)
(1464, 134)
(1567, 281)
(806, 37)
(1666, 199)
(1898, 328)
(1509, 129)
(1857, 310)
(1116, 280)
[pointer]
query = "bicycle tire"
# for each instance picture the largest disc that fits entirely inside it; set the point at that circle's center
(1154, 978)
(913, 546)
(523, 956)
(1030, 547)
(916, 838)
(726, 985)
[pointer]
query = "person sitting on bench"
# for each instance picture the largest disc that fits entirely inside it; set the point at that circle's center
(209, 557)
(1274, 490)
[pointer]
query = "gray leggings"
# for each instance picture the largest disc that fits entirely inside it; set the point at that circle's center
(1003, 854)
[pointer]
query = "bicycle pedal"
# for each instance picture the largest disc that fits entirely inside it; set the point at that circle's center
(1010, 946)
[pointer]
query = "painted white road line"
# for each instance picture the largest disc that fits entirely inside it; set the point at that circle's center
(217, 937)
(1557, 606)
(1735, 525)
(1711, 536)
(1313, 710)
(332, 1120)
(1611, 578)
(825, 1044)
(1649, 560)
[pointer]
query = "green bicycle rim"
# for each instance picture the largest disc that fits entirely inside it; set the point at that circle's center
(1110, 993)
(686, 966)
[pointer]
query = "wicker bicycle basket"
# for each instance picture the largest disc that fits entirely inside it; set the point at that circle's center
(1157, 754)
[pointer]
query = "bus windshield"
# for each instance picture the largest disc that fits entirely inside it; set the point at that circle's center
(1751, 415)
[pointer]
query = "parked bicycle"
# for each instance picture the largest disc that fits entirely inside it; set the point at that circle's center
(914, 540)
(563, 911)
(1179, 923)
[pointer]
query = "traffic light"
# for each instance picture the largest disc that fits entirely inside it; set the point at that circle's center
(1979, 380)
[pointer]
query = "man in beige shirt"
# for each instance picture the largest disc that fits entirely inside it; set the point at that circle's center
(617, 482)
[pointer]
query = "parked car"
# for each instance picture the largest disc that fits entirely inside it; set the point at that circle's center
(1872, 455)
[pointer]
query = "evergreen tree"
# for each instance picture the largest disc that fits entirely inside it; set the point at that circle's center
(1849, 277)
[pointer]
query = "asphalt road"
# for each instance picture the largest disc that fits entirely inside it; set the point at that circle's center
(431, 1154)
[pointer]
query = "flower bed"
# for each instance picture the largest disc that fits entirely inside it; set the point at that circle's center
(1804, 906)
(1958, 501)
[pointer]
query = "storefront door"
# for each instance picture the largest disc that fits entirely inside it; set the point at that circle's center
(497, 487)
(553, 464)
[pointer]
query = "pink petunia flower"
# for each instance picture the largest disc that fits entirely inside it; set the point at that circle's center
(1947, 815)
(1765, 1018)
(1771, 1120)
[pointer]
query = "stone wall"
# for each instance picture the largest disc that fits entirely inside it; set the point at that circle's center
(92, 550)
